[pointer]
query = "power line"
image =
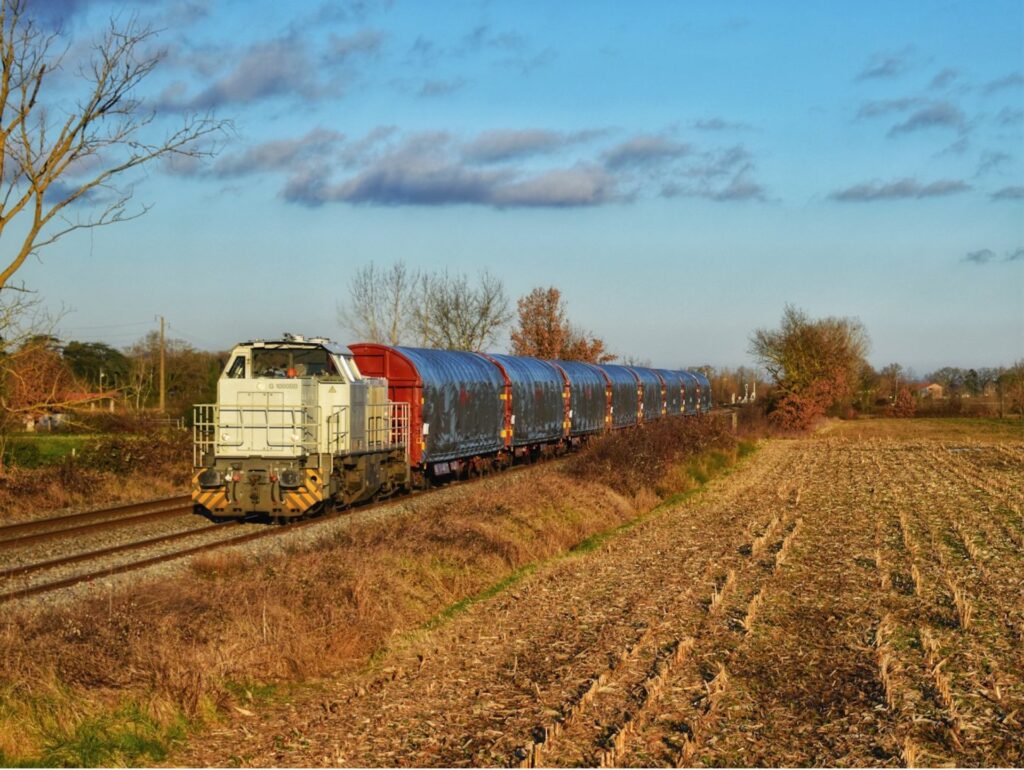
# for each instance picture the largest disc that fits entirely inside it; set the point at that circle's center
(110, 326)
(183, 333)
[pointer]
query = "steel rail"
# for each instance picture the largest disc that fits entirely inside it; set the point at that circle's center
(96, 526)
(28, 569)
(7, 532)
(128, 567)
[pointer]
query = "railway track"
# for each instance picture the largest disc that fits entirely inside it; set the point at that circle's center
(56, 527)
(17, 535)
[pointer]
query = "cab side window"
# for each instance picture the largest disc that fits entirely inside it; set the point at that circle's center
(237, 370)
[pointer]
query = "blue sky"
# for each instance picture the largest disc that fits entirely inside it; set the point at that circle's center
(679, 170)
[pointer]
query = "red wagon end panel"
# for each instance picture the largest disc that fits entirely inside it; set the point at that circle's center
(404, 385)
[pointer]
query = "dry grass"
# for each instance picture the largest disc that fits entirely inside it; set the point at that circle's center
(108, 470)
(975, 429)
(652, 458)
(201, 644)
(964, 605)
(28, 494)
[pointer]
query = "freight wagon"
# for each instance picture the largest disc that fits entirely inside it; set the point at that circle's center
(303, 424)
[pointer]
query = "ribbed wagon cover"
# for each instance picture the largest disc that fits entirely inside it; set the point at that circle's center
(691, 391)
(625, 399)
(705, 391)
(538, 409)
(588, 396)
(651, 384)
(674, 384)
(455, 401)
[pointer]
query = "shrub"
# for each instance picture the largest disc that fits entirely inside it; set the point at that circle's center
(905, 404)
(636, 459)
(167, 453)
(796, 412)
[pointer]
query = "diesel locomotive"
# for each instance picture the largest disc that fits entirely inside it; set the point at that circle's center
(302, 424)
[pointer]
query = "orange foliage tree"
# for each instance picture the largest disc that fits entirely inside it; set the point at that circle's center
(35, 379)
(815, 364)
(544, 331)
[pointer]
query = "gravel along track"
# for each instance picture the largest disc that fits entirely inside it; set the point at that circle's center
(46, 550)
(23, 533)
(832, 602)
(59, 565)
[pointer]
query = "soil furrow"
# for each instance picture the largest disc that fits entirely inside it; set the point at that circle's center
(839, 601)
(623, 704)
(773, 694)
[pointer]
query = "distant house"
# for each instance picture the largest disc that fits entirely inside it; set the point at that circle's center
(929, 390)
(55, 415)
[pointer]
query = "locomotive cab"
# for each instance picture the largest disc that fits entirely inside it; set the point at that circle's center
(295, 428)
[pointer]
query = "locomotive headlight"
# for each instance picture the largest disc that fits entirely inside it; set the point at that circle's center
(210, 478)
(290, 479)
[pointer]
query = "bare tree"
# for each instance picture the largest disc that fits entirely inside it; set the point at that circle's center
(636, 361)
(380, 303)
(452, 313)
(55, 152)
(35, 380)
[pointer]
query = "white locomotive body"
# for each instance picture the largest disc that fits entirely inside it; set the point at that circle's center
(296, 427)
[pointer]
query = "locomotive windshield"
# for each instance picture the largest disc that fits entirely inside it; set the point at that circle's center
(293, 362)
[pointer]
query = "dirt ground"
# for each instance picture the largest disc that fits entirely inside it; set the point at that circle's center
(854, 598)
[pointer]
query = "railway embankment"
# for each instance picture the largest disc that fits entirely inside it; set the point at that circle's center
(121, 674)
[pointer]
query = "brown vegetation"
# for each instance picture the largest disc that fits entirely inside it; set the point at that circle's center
(632, 461)
(816, 365)
(753, 629)
(110, 469)
(196, 645)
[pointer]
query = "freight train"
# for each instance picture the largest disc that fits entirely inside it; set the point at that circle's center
(301, 424)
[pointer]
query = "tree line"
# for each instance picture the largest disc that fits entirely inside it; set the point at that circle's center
(819, 366)
(43, 375)
(398, 305)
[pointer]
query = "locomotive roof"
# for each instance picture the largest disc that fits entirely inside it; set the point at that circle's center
(290, 341)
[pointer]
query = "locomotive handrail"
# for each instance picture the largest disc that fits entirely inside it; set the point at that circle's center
(209, 425)
(217, 427)
(386, 427)
(336, 435)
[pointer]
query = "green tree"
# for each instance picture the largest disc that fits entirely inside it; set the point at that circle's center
(97, 364)
(191, 375)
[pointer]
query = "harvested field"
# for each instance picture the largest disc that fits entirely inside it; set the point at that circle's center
(853, 598)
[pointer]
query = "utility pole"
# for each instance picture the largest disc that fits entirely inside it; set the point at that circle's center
(163, 386)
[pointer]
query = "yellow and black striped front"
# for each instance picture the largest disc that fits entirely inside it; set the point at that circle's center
(300, 500)
(214, 500)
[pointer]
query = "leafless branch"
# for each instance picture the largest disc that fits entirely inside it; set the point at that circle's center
(49, 162)
(380, 303)
(452, 313)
